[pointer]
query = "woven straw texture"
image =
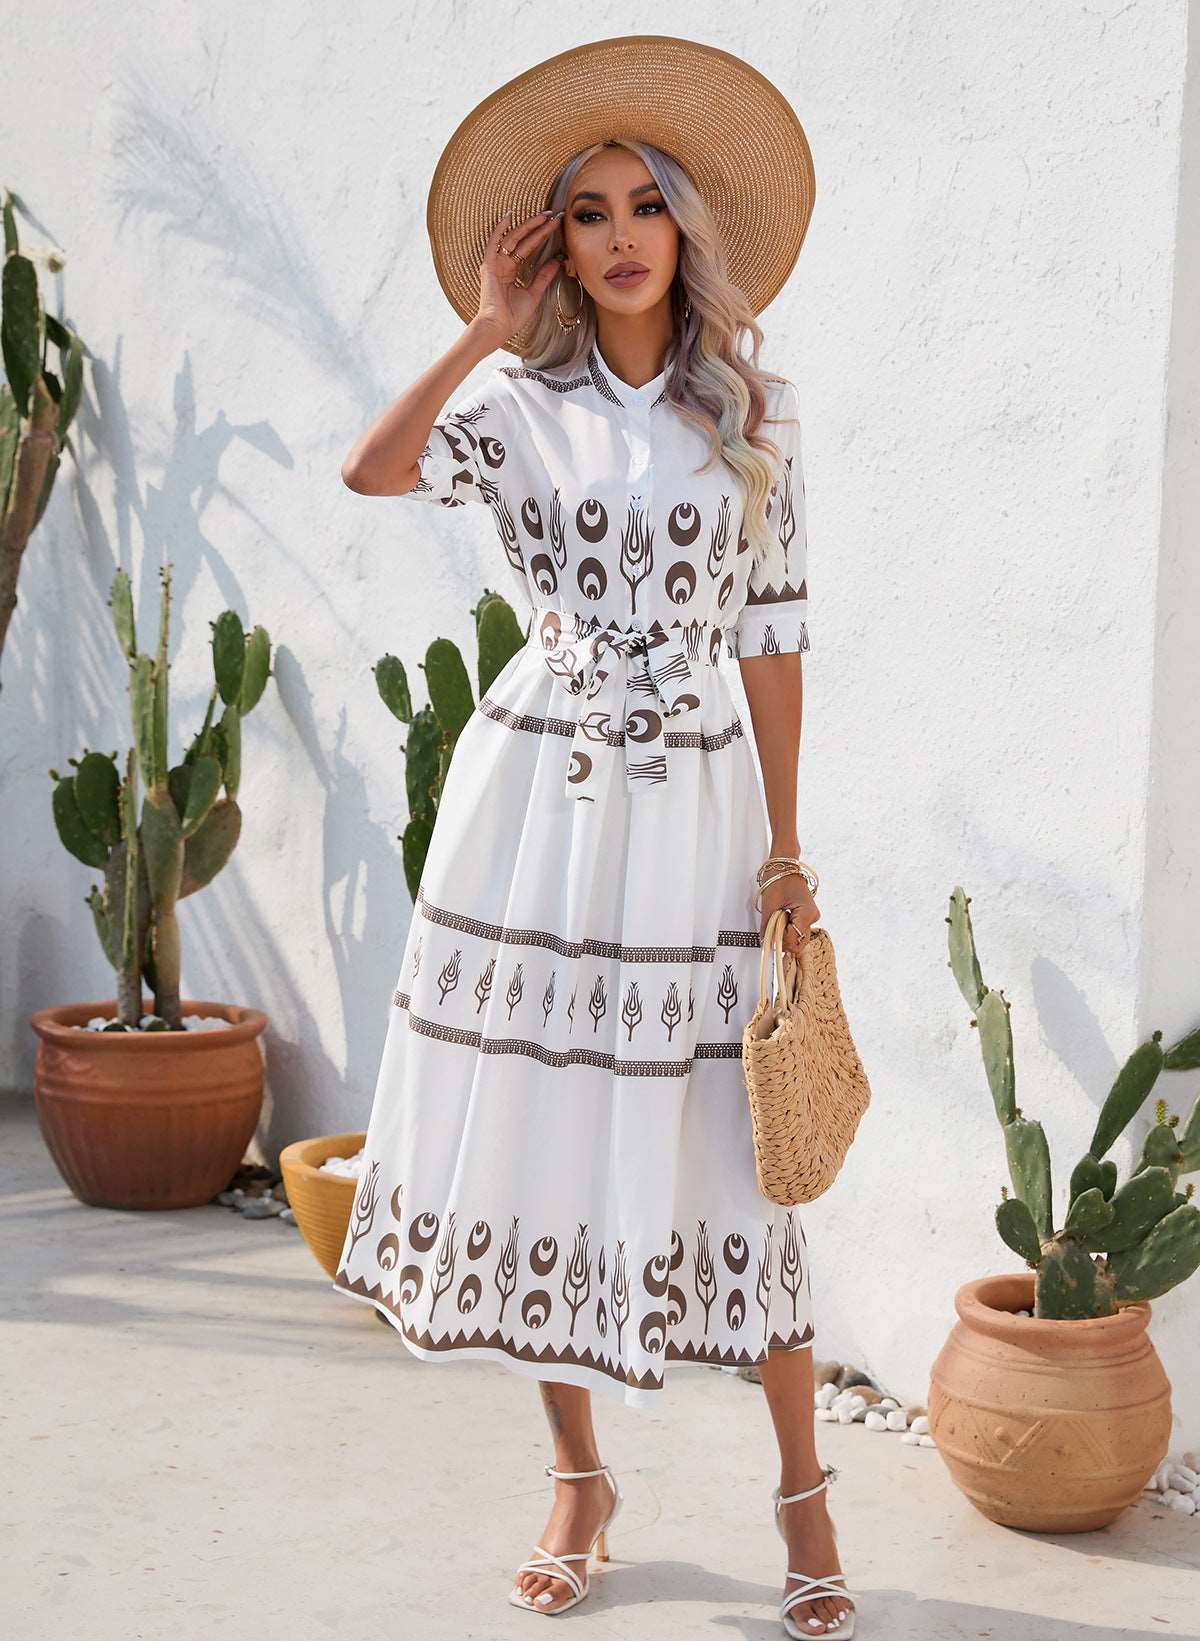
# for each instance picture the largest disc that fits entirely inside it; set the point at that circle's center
(734, 133)
(806, 1083)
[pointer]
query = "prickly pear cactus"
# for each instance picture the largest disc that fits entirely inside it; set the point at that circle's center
(37, 405)
(188, 822)
(433, 731)
(1118, 1243)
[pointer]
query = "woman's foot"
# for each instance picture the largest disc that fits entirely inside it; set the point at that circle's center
(808, 1533)
(579, 1508)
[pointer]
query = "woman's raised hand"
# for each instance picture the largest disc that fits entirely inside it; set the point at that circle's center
(504, 305)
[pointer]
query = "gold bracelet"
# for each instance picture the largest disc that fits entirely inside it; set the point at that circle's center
(809, 878)
(776, 866)
(774, 862)
(779, 860)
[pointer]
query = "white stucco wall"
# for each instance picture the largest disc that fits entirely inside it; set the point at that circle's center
(1001, 466)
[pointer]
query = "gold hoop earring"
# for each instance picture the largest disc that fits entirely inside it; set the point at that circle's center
(565, 324)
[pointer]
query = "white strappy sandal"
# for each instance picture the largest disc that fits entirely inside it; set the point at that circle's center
(555, 1566)
(811, 1588)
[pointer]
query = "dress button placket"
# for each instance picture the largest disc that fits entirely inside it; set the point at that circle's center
(641, 475)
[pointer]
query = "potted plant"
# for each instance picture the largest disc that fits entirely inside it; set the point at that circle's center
(320, 1199)
(144, 1113)
(1054, 1420)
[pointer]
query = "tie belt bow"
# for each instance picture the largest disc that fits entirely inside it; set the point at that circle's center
(630, 680)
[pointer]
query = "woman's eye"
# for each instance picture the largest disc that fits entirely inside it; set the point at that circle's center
(655, 205)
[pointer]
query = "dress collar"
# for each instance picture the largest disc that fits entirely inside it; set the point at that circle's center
(610, 386)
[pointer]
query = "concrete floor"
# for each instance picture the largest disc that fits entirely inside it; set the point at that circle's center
(199, 1433)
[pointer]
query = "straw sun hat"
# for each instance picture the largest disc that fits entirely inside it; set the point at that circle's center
(733, 132)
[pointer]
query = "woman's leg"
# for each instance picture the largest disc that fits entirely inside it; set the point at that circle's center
(579, 1506)
(787, 1378)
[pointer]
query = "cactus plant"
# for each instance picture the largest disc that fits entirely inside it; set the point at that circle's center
(187, 829)
(433, 731)
(37, 405)
(1146, 1233)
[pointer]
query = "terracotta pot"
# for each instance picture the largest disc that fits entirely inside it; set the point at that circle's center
(147, 1119)
(320, 1202)
(1051, 1426)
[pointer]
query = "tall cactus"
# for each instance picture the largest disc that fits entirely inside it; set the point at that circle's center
(1147, 1231)
(37, 405)
(433, 731)
(187, 830)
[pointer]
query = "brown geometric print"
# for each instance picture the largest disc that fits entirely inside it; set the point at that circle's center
(587, 947)
(655, 1012)
(670, 1303)
(716, 741)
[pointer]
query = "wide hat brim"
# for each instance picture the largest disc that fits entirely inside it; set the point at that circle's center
(734, 133)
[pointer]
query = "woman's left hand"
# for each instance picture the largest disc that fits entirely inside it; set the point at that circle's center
(793, 891)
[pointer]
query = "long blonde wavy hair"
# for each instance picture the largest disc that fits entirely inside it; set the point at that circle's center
(707, 380)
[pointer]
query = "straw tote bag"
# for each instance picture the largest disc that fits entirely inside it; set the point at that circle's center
(806, 1083)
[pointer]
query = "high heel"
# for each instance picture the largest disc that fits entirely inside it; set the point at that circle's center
(545, 1559)
(812, 1588)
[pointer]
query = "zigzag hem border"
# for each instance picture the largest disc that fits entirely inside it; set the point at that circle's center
(586, 1359)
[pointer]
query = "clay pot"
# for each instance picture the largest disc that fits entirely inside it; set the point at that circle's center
(147, 1119)
(322, 1203)
(1050, 1426)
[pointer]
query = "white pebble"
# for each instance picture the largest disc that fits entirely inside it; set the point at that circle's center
(920, 1424)
(911, 1440)
(897, 1419)
(875, 1420)
(825, 1413)
(927, 1440)
(1183, 1502)
(886, 1402)
(1181, 1484)
(1162, 1476)
(824, 1395)
(1188, 1474)
(343, 1165)
(845, 1415)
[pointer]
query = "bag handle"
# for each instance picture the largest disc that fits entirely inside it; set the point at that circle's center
(789, 974)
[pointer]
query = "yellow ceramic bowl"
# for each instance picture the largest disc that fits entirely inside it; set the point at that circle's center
(321, 1202)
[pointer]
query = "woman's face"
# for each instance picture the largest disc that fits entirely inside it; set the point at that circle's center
(614, 214)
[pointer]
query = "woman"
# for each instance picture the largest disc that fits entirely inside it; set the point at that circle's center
(559, 1171)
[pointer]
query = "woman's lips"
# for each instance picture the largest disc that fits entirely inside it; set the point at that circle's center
(628, 278)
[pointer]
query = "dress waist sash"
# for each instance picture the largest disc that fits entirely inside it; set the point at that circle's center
(630, 679)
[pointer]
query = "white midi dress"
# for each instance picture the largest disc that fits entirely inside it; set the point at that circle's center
(558, 1168)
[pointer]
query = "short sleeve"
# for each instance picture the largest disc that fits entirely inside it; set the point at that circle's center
(465, 454)
(774, 620)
